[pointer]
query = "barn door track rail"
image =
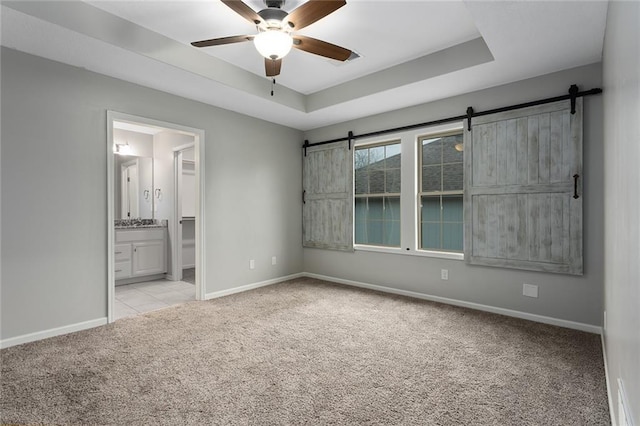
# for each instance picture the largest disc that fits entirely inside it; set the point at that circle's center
(573, 94)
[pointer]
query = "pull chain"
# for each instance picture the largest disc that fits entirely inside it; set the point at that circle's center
(273, 83)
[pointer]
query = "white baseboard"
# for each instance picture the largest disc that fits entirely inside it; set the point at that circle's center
(607, 380)
(252, 286)
(502, 311)
(32, 337)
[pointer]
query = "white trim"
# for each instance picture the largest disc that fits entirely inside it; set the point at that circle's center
(201, 269)
(199, 145)
(111, 281)
(52, 332)
(252, 286)
(607, 380)
(400, 251)
(502, 311)
(176, 223)
(185, 146)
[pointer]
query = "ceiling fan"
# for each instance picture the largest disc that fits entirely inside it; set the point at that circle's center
(276, 28)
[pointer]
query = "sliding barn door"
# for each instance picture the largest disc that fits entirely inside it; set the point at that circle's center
(328, 197)
(523, 201)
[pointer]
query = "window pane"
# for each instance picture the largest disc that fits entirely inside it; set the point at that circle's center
(449, 152)
(431, 178)
(362, 182)
(392, 233)
(392, 208)
(441, 216)
(377, 218)
(452, 208)
(376, 157)
(452, 177)
(374, 232)
(392, 151)
(431, 151)
(360, 220)
(375, 208)
(376, 182)
(393, 180)
(430, 236)
(431, 209)
(452, 236)
(361, 159)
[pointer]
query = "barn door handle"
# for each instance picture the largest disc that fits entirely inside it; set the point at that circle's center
(304, 193)
(575, 186)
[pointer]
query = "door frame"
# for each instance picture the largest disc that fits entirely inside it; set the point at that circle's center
(176, 252)
(199, 145)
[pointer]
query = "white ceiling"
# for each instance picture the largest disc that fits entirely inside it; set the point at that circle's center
(411, 51)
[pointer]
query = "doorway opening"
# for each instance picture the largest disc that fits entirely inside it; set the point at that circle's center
(155, 209)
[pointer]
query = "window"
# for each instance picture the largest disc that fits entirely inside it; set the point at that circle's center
(512, 199)
(422, 215)
(441, 192)
(377, 194)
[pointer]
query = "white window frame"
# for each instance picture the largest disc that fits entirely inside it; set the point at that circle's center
(381, 195)
(409, 192)
(441, 193)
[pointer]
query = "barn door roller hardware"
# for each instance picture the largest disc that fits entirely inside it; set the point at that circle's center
(574, 93)
(469, 117)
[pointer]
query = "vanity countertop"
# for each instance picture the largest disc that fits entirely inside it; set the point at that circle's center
(139, 226)
(139, 223)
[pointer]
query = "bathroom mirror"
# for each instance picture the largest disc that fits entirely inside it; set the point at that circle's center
(133, 171)
(133, 186)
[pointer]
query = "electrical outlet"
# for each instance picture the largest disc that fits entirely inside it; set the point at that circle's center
(444, 274)
(274, 260)
(530, 290)
(252, 264)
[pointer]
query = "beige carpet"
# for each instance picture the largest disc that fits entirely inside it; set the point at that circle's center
(309, 352)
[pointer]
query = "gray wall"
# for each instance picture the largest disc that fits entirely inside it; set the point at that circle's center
(54, 200)
(560, 296)
(621, 69)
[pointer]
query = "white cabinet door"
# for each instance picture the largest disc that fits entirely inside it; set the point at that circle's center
(148, 258)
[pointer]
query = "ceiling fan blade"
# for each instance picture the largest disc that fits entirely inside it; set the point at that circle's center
(243, 10)
(322, 48)
(222, 40)
(312, 11)
(272, 67)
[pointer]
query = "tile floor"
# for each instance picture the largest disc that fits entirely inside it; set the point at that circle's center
(134, 299)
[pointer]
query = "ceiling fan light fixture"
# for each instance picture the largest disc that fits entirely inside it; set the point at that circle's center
(273, 44)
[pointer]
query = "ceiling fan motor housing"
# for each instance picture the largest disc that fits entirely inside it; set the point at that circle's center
(274, 3)
(273, 17)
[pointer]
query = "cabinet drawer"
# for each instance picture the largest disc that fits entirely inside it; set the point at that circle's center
(122, 270)
(127, 235)
(122, 252)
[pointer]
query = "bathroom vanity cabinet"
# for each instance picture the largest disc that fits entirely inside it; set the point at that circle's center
(139, 254)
